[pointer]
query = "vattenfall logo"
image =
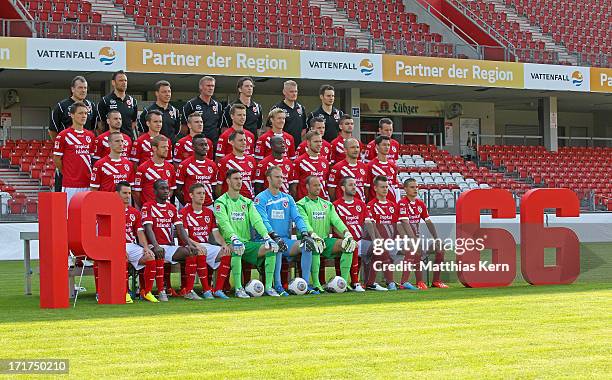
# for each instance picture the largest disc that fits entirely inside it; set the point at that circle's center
(577, 79)
(365, 66)
(106, 55)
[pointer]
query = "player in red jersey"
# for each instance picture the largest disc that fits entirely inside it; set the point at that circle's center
(141, 148)
(381, 224)
(353, 212)
(346, 132)
(349, 167)
(72, 152)
(113, 168)
(382, 166)
(238, 115)
(201, 225)
(113, 118)
(316, 124)
(310, 163)
(277, 159)
(239, 161)
(155, 168)
(276, 120)
(197, 169)
(183, 149)
(411, 211)
(136, 245)
(159, 219)
(385, 128)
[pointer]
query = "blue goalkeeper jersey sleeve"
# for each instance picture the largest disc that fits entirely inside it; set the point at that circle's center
(279, 212)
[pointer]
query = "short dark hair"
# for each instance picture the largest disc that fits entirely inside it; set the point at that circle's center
(110, 135)
(346, 116)
(117, 73)
(78, 78)
(271, 169)
(158, 183)
(161, 83)
(193, 115)
(380, 139)
(380, 178)
(384, 120)
(235, 134)
(76, 105)
(231, 172)
(326, 87)
(153, 112)
(198, 136)
(236, 106)
(317, 119)
(195, 186)
(242, 80)
(344, 180)
(407, 181)
(113, 111)
(121, 184)
(309, 178)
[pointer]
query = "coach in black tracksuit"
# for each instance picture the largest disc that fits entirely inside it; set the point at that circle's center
(254, 118)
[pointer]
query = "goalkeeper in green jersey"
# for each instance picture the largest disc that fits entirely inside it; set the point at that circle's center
(320, 215)
(236, 215)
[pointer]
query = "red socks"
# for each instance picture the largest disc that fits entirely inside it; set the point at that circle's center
(159, 275)
(222, 273)
(190, 271)
(202, 269)
(148, 276)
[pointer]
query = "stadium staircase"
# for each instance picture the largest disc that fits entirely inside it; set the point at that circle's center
(351, 27)
(112, 14)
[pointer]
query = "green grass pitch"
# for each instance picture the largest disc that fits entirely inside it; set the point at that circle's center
(517, 332)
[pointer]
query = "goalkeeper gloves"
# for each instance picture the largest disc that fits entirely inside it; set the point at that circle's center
(348, 243)
(237, 245)
(282, 246)
(308, 242)
(319, 243)
(270, 244)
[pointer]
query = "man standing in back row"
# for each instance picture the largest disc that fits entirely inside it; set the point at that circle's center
(295, 113)
(210, 109)
(254, 117)
(171, 117)
(331, 114)
(119, 100)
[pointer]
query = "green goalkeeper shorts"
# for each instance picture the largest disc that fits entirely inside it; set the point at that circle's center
(329, 247)
(251, 252)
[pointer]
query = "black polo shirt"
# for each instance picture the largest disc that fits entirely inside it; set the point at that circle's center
(60, 116)
(295, 120)
(254, 118)
(212, 113)
(171, 120)
(331, 122)
(128, 107)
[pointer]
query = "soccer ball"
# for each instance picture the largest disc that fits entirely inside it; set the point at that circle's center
(336, 285)
(298, 286)
(254, 288)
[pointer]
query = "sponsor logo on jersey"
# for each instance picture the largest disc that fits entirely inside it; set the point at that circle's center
(237, 215)
(318, 215)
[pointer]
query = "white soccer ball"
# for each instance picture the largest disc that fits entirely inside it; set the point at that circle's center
(336, 285)
(254, 288)
(298, 286)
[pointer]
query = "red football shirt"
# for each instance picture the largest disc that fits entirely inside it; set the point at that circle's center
(414, 211)
(284, 164)
(148, 173)
(133, 223)
(305, 166)
(183, 149)
(142, 150)
(224, 147)
(107, 173)
(162, 217)
(246, 164)
(371, 152)
(199, 224)
(192, 171)
(387, 169)
(75, 148)
(263, 149)
(326, 150)
(342, 169)
(353, 214)
(382, 212)
(103, 149)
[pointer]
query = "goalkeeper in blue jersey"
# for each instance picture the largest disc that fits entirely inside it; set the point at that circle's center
(279, 212)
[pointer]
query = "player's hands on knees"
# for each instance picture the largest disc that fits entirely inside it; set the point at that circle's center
(158, 251)
(308, 242)
(225, 250)
(270, 244)
(348, 242)
(282, 246)
(237, 246)
(319, 242)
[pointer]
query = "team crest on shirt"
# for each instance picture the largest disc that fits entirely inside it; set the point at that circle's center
(254, 109)
(88, 139)
(256, 201)
(113, 101)
(358, 208)
(168, 173)
(244, 207)
(217, 207)
(207, 219)
(420, 209)
(132, 217)
(337, 116)
(323, 165)
(171, 112)
(129, 102)
(210, 170)
(391, 210)
(324, 206)
(285, 204)
(214, 108)
(170, 213)
(199, 107)
(362, 171)
(299, 111)
(127, 167)
(250, 165)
